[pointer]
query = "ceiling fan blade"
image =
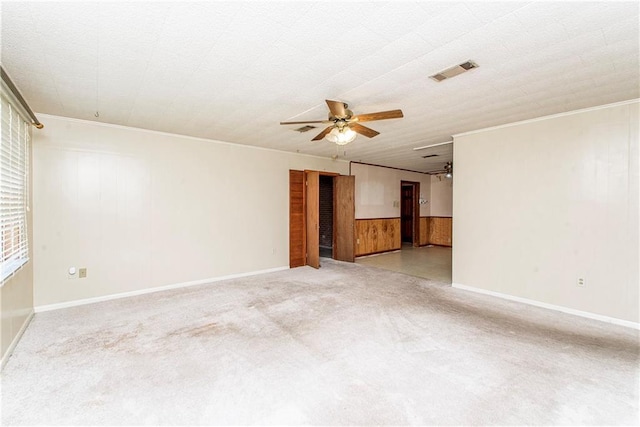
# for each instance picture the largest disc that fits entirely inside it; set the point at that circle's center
(337, 109)
(309, 121)
(382, 115)
(322, 134)
(363, 130)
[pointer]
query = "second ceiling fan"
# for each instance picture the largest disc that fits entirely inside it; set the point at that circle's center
(344, 125)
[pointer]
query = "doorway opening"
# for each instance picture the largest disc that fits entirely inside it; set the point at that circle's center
(336, 201)
(326, 216)
(410, 212)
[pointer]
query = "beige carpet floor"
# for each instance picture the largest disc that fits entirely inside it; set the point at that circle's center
(343, 345)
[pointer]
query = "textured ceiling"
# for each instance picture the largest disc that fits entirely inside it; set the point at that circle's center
(232, 71)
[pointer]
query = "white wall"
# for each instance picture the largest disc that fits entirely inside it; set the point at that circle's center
(142, 209)
(441, 200)
(539, 204)
(378, 190)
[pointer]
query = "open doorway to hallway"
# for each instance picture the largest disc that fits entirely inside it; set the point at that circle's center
(410, 213)
(424, 240)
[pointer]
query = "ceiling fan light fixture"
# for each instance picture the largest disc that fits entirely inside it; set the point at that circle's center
(341, 136)
(448, 167)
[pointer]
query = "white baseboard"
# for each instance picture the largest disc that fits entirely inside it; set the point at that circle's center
(7, 354)
(75, 303)
(586, 314)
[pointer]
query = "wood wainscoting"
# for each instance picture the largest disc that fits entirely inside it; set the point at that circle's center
(424, 231)
(435, 230)
(377, 235)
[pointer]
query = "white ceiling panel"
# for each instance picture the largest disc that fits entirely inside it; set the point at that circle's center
(233, 70)
(449, 25)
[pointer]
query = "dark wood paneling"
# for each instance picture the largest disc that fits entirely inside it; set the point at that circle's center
(344, 217)
(440, 231)
(297, 238)
(312, 191)
(377, 235)
(386, 167)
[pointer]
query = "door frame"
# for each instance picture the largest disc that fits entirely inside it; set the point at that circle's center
(415, 212)
(313, 259)
(304, 189)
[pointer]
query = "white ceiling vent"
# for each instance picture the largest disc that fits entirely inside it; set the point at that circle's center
(454, 71)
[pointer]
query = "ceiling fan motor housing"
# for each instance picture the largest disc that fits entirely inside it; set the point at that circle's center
(347, 116)
(343, 122)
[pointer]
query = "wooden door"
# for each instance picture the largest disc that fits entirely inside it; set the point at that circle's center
(297, 231)
(313, 218)
(406, 213)
(344, 217)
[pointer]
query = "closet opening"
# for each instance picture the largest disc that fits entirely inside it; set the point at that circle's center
(326, 216)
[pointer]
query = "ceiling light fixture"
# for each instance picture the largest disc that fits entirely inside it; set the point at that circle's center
(433, 145)
(341, 135)
(448, 167)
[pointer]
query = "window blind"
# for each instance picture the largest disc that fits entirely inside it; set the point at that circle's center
(14, 167)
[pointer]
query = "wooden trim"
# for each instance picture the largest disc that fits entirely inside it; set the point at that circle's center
(379, 252)
(297, 221)
(322, 172)
(312, 214)
(387, 167)
(382, 217)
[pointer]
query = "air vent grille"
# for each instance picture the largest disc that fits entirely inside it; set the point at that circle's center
(306, 128)
(454, 71)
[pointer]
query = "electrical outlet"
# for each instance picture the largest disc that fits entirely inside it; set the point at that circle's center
(82, 273)
(580, 282)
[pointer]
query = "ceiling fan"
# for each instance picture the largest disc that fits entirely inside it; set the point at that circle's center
(344, 125)
(447, 170)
